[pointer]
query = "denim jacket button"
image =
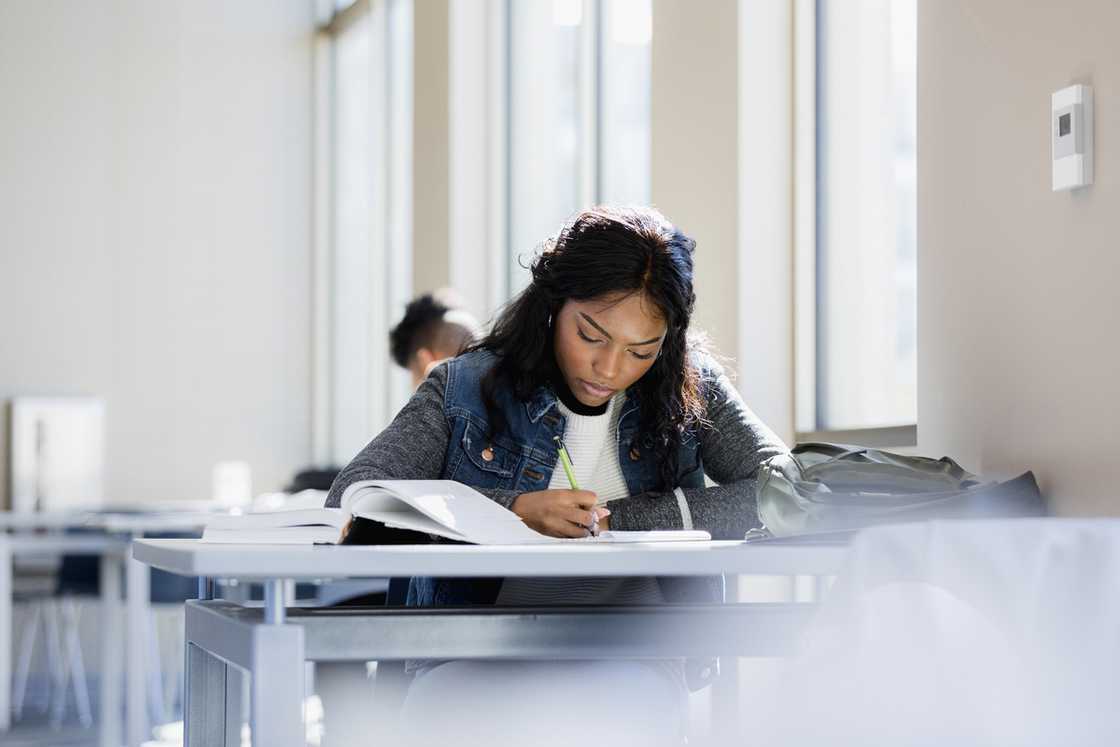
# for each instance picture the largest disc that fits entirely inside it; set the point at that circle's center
(487, 454)
(635, 455)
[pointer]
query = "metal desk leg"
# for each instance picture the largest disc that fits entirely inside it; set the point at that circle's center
(212, 709)
(212, 697)
(272, 654)
(726, 689)
(5, 635)
(277, 689)
(137, 593)
(112, 646)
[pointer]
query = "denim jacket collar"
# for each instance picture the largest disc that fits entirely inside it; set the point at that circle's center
(544, 399)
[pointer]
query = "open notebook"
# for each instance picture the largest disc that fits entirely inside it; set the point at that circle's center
(405, 512)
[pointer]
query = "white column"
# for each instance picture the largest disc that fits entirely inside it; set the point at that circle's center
(694, 140)
(477, 158)
(765, 307)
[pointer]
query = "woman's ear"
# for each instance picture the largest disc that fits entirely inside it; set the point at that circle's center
(424, 358)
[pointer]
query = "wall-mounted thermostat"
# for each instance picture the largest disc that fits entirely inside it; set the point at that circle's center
(1071, 137)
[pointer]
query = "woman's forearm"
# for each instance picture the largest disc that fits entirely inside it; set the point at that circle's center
(726, 511)
(412, 447)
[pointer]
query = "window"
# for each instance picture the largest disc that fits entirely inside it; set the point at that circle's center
(545, 110)
(624, 102)
(578, 113)
(857, 328)
(363, 245)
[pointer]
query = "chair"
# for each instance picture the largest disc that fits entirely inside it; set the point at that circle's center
(57, 613)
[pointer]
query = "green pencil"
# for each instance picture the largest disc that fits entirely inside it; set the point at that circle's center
(566, 461)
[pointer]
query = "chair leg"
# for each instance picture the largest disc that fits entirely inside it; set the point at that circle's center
(56, 704)
(77, 667)
(23, 666)
(173, 670)
(155, 679)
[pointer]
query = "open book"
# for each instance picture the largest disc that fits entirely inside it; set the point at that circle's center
(405, 512)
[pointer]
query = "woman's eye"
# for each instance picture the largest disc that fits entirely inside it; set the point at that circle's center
(584, 337)
(641, 357)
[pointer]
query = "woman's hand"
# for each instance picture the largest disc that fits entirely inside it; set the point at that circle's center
(558, 513)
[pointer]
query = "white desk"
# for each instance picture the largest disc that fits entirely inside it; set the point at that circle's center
(273, 643)
(116, 530)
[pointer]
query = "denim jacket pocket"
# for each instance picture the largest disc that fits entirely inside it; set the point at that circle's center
(482, 463)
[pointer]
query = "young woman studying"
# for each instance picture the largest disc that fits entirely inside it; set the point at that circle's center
(596, 351)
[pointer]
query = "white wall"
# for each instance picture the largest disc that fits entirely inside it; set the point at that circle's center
(1018, 365)
(431, 227)
(155, 203)
(694, 138)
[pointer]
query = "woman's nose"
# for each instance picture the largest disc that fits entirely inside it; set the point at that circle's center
(606, 365)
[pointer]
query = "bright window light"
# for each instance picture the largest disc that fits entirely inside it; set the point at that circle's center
(631, 21)
(866, 258)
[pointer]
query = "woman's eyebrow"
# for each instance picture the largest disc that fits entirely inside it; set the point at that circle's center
(607, 334)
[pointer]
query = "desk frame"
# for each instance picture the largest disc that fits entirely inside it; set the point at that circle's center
(221, 636)
(272, 644)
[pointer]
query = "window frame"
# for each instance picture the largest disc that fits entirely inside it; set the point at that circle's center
(592, 55)
(390, 250)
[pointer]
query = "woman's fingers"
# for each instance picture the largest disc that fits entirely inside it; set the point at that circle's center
(569, 521)
(572, 530)
(583, 519)
(582, 498)
(559, 513)
(579, 517)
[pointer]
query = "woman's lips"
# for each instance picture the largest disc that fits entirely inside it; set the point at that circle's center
(595, 391)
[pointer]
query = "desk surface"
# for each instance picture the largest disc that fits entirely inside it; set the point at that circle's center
(193, 558)
(132, 522)
(70, 544)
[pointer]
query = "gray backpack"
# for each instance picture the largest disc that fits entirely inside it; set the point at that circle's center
(822, 487)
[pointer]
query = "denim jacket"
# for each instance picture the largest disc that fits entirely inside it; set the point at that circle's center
(522, 460)
(441, 434)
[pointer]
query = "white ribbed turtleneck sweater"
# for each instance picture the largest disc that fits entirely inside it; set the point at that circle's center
(592, 444)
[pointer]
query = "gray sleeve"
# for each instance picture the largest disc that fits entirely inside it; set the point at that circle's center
(733, 446)
(412, 447)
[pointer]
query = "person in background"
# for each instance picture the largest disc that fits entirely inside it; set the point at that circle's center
(435, 327)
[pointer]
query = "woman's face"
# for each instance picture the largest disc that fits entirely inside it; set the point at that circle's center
(605, 344)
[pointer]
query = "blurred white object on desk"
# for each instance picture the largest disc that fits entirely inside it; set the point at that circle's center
(233, 484)
(58, 453)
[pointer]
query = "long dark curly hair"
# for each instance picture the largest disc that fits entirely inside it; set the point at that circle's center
(602, 251)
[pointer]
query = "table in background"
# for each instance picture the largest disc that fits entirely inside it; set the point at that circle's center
(107, 535)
